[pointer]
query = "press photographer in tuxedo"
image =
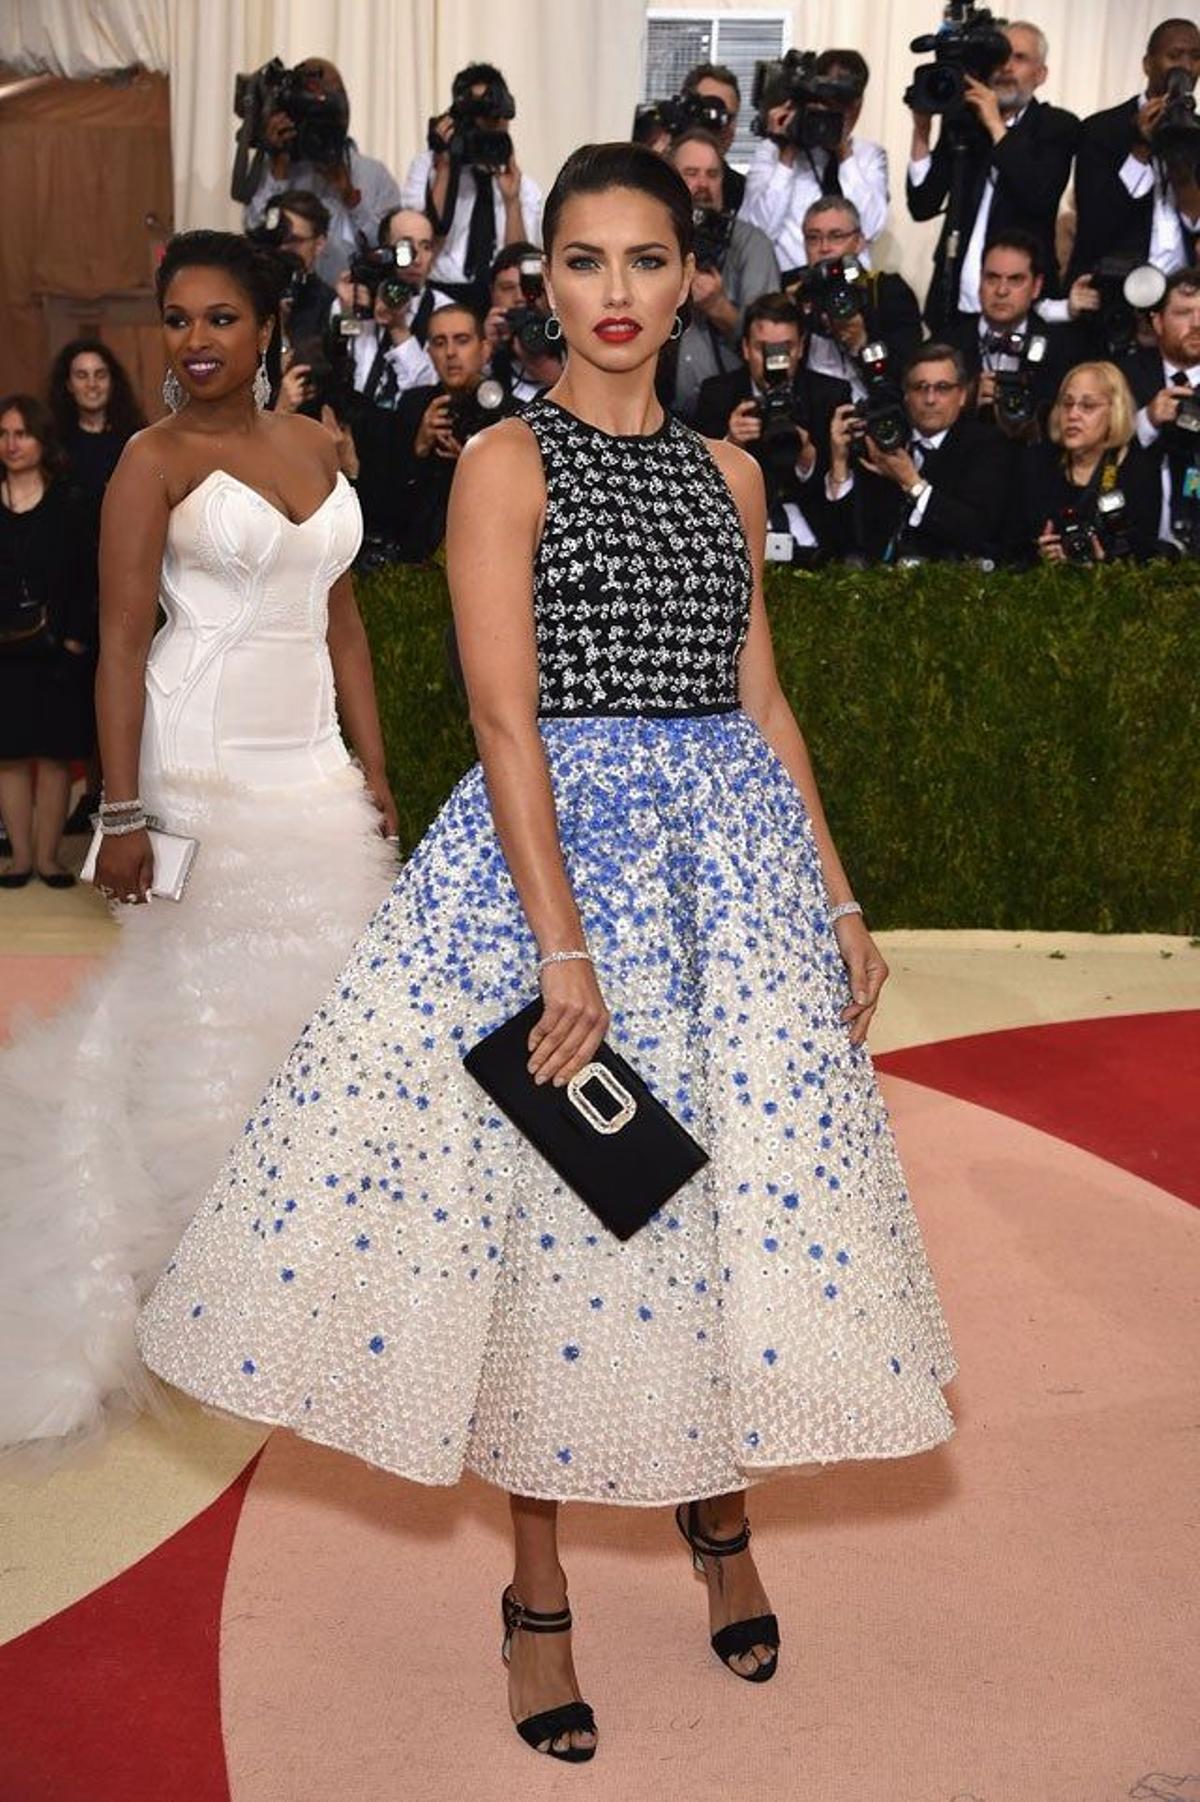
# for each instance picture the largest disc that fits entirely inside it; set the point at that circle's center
(880, 309)
(780, 412)
(1017, 162)
(388, 355)
(1016, 358)
(1166, 390)
(1127, 203)
(940, 497)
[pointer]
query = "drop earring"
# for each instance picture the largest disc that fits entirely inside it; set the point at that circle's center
(552, 337)
(173, 391)
(262, 384)
(677, 328)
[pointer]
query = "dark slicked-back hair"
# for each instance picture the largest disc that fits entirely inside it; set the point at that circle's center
(712, 72)
(1023, 242)
(596, 168)
(259, 273)
(933, 352)
(779, 309)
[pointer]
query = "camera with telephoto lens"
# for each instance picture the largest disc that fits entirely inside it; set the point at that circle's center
(677, 113)
(473, 410)
(1126, 288)
(474, 142)
(322, 119)
(1015, 401)
(387, 272)
(819, 102)
(969, 45)
(1176, 138)
(880, 415)
(831, 291)
(712, 231)
(527, 323)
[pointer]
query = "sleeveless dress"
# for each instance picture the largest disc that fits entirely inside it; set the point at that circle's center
(115, 1115)
(386, 1266)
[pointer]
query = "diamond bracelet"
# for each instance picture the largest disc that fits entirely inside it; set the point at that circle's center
(564, 957)
(842, 909)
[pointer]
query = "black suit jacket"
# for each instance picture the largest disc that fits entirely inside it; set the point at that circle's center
(1064, 348)
(1032, 162)
(967, 515)
(1044, 492)
(403, 497)
(816, 398)
(1108, 221)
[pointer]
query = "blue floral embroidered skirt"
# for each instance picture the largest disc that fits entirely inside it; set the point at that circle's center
(386, 1266)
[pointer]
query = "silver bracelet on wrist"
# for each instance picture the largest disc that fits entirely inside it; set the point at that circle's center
(842, 909)
(116, 809)
(564, 957)
(134, 822)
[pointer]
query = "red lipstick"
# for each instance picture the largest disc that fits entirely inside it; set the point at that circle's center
(617, 331)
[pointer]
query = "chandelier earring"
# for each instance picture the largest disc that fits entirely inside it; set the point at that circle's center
(262, 384)
(173, 391)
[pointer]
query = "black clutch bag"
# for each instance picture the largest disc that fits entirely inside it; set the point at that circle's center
(603, 1132)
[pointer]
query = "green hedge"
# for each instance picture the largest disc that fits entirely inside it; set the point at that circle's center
(1005, 750)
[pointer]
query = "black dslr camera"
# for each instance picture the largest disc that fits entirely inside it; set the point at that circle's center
(473, 144)
(831, 291)
(1176, 139)
(880, 415)
(677, 113)
(1016, 403)
(712, 231)
(969, 43)
(1126, 289)
(819, 102)
(387, 272)
(1109, 525)
(777, 408)
(269, 236)
(527, 323)
(474, 409)
(322, 120)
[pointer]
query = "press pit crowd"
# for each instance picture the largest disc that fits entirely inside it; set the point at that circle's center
(1039, 402)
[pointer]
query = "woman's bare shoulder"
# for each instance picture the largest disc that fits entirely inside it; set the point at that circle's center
(739, 468)
(503, 462)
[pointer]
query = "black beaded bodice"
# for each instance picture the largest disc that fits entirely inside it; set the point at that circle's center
(642, 579)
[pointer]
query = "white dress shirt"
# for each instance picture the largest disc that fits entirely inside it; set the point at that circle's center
(378, 193)
(450, 258)
(972, 263)
(409, 361)
(918, 450)
(777, 197)
(1168, 248)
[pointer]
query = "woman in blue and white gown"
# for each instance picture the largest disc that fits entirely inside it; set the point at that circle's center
(384, 1264)
(114, 1116)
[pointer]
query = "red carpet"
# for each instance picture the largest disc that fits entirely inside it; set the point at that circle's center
(117, 1699)
(1126, 1088)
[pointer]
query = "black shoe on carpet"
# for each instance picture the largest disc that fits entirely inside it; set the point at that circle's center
(15, 878)
(57, 879)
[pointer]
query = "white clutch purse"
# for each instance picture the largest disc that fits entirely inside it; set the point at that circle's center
(174, 856)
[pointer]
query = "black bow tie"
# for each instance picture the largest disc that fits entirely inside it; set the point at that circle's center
(1010, 342)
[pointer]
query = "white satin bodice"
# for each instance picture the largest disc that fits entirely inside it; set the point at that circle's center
(238, 681)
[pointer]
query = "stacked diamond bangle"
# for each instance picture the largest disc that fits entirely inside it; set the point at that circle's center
(117, 818)
(842, 909)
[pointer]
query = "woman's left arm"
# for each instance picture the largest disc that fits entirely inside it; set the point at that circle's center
(764, 701)
(354, 681)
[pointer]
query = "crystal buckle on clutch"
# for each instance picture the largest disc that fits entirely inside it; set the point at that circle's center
(626, 1104)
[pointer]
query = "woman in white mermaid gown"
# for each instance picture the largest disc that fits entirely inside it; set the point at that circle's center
(115, 1115)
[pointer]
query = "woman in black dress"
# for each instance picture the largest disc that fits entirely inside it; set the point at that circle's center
(1092, 493)
(95, 411)
(47, 630)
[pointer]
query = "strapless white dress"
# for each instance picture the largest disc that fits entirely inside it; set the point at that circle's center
(115, 1115)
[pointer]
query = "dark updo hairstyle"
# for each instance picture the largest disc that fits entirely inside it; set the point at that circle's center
(38, 421)
(262, 275)
(123, 415)
(595, 168)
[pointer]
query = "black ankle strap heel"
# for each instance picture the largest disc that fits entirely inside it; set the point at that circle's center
(569, 1717)
(739, 1637)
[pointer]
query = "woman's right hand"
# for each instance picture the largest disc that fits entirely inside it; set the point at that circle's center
(574, 1021)
(1050, 545)
(125, 866)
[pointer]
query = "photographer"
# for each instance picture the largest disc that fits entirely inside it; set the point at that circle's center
(1018, 360)
(807, 118)
(847, 305)
(469, 182)
(1002, 159)
(319, 155)
(938, 492)
(1132, 202)
(1166, 389)
(780, 412)
(719, 86)
(388, 355)
(1091, 494)
(432, 425)
(302, 234)
(734, 265)
(520, 354)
